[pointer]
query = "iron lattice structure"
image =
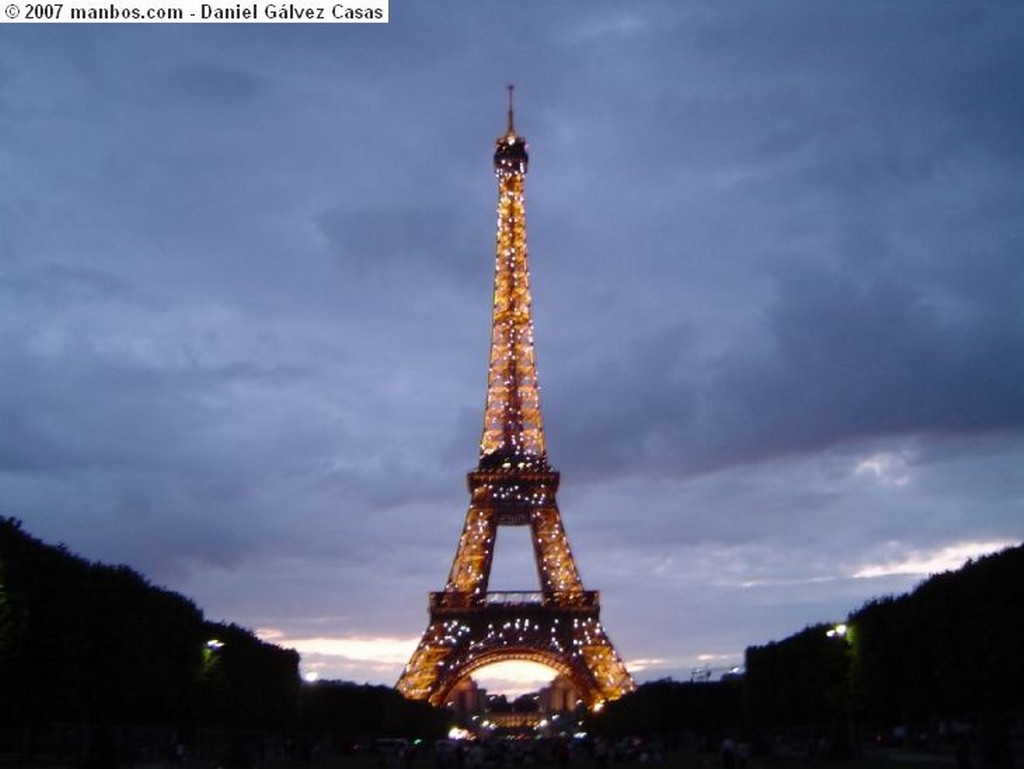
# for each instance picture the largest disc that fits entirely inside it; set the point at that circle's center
(513, 485)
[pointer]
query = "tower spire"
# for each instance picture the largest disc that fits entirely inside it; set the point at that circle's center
(511, 111)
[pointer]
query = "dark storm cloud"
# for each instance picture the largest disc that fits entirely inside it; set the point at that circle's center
(874, 213)
(843, 353)
(861, 357)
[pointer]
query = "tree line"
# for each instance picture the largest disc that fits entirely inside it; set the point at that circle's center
(939, 666)
(94, 645)
(946, 655)
(693, 716)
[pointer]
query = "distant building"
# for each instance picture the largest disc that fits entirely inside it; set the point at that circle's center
(467, 698)
(559, 697)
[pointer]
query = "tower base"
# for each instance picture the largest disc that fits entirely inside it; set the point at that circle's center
(559, 630)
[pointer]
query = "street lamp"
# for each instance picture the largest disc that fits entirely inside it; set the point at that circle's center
(837, 631)
(211, 653)
(842, 631)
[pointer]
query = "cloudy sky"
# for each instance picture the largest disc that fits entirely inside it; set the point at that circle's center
(245, 285)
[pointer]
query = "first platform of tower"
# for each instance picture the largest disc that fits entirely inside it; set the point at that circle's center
(510, 148)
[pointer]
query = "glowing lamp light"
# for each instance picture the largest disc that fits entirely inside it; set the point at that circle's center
(839, 631)
(213, 644)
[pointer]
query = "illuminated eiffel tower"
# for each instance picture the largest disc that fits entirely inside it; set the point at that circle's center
(513, 485)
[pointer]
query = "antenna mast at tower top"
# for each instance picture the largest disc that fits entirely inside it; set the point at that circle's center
(511, 110)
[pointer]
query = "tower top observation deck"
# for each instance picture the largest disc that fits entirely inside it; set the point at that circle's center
(510, 155)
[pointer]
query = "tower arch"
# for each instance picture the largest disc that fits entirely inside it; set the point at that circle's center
(520, 654)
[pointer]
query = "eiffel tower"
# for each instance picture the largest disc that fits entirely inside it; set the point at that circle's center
(513, 485)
